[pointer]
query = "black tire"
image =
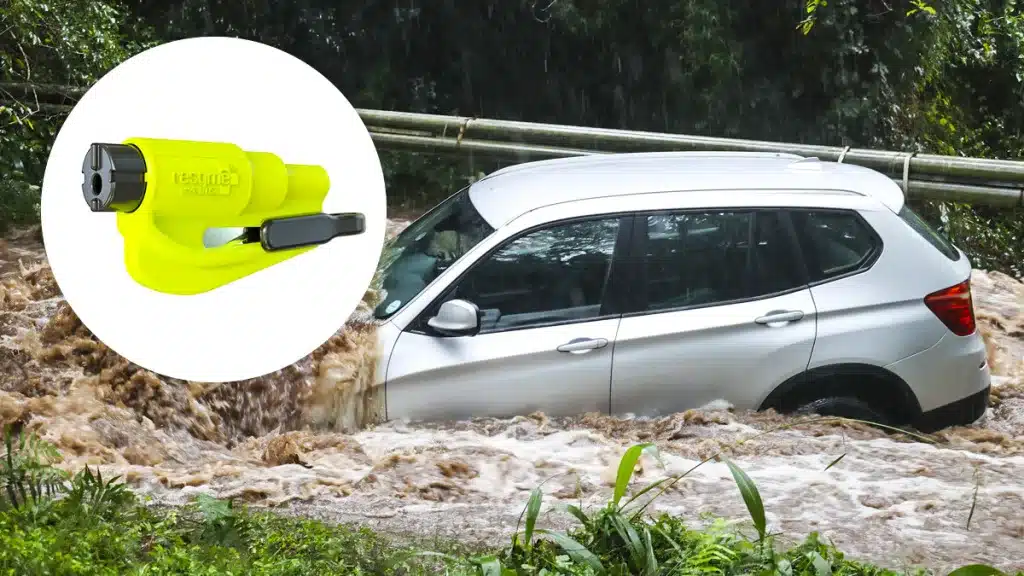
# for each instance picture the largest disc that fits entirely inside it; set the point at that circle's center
(844, 407)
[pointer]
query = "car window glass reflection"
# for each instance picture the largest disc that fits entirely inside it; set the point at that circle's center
(552, 275)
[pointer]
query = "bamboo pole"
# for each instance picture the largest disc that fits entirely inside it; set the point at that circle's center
(983, 194)
(47, 89)
(578, 137)
(997, 183)
(454, 146)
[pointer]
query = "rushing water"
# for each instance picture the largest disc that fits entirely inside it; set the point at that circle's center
(293, 438)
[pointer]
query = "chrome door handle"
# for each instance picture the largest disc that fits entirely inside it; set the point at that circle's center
(581, 345)
(780, 316)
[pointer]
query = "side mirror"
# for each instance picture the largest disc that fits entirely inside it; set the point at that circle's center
(456, 318)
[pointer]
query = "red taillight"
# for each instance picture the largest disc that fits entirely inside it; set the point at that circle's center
(954, 307)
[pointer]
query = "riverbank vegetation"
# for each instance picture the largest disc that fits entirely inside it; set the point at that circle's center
(55, 523)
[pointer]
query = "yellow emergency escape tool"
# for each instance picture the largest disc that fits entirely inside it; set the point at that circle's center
(168, 193)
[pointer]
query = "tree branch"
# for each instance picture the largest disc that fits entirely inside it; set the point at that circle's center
(42, 107)
(48, 89)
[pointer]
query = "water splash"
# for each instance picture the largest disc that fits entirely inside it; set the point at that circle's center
(306, 436)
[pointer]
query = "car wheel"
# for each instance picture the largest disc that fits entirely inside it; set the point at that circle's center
(844, 407)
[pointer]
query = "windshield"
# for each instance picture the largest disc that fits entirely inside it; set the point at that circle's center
(426, 248)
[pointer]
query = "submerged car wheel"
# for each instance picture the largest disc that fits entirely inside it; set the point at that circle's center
(844, 407)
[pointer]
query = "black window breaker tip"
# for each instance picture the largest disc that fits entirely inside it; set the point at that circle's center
(310, 230)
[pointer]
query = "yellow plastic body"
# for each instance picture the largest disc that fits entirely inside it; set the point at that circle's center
(194, 186)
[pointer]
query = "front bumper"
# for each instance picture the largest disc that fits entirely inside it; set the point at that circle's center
(960, 413)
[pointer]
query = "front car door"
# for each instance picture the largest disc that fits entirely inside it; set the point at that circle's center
(720, 310)
(548, 301)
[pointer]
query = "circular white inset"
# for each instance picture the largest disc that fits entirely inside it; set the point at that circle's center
(262, 100)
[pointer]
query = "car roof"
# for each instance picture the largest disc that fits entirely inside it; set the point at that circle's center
(510, 192)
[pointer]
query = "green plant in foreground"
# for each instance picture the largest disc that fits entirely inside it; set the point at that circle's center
(100, 527)
(95, 497)
(617, 540)
(26, 470)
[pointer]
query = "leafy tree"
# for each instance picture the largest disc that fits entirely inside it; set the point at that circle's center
(53, 42)
(942, 77)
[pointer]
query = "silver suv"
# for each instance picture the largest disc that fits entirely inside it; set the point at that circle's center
(647, 284)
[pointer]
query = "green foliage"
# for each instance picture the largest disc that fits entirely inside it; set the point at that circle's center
(19, 204)
(811, 8)
(220, 525)
(27, 474)
(57, 42)
(415, 183)
(944, 77)
(611, 542)
(625, 470)
(997, 238)
(967, 103)
(99, 527)
(976, 570)
(751, 497)
(96, 498)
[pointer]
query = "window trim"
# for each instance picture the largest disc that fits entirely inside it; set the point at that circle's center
(867, 264)
(613, 299)
(638, 302)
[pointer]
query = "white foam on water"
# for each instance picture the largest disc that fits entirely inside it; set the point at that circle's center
(887, 501)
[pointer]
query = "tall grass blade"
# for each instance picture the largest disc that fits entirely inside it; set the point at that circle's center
(646, 489)
(575, 550)
(579, 514)
(629, 535)
(532, 512)
(670, 540)
(834, 462)
(650, 561)
(10, 471)
(536, 492)
(974, 499)
(625, 472)
(751, 497)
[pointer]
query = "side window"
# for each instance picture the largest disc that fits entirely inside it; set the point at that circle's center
(700, 259)
(552, 275)
(834, 242)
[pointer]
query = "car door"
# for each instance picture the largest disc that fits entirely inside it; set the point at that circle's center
(721, 311)
(549, 319)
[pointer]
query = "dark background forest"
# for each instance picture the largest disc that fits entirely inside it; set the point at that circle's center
(944, 77)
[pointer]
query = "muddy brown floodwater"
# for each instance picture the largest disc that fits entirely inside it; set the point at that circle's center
(299, 439)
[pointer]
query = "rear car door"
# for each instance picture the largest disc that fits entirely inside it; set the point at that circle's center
(719, 310)
(861, 320)
(549, 308)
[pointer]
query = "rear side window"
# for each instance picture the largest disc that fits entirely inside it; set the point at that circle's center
(928, 233)
(835, 243)
(699, 259)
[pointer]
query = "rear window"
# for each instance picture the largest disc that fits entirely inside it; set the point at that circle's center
(928, 233)
(834, 243)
